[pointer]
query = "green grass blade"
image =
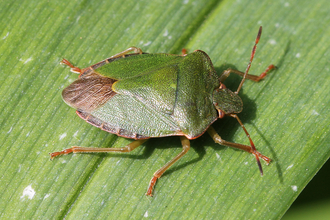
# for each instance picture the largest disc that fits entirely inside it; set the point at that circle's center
(287, 114)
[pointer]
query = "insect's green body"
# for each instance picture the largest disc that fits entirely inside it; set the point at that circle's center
(142, 96)
(152, 95)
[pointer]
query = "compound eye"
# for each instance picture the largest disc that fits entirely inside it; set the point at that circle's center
(221, 113)
(222, 86)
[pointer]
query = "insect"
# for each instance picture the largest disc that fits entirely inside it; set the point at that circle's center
(140, 96)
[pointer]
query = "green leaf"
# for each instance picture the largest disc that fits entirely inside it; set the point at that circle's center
(287, 114)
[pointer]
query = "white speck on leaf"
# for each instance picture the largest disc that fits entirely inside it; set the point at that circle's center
(272, 42)
(286, 4)
(26, 61)
(294, 188)
(166, 33)
(75, 134)
(46, 196)
(5, 36)
(62, 136)
(315, 112)
(289, 167)
(147, 44)
(28, 192)
(11, 128)
(146, 214)
(298, 55)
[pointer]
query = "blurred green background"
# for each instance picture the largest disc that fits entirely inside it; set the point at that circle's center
(314, 200)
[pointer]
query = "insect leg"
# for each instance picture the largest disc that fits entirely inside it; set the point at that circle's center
(74, 69)
(245, 74)
(255, 78)
(123, 53)
(251, 149)
(183, 52)
(76, 149)
(186, 146)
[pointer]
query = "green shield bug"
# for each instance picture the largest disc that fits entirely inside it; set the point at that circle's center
(141, 96)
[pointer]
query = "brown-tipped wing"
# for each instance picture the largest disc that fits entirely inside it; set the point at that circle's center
(89, 92)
